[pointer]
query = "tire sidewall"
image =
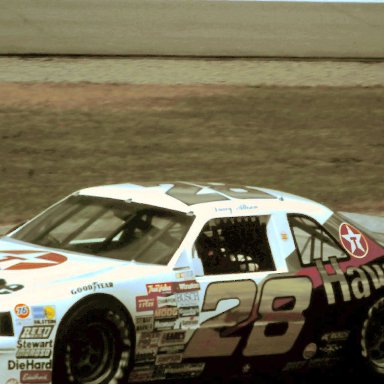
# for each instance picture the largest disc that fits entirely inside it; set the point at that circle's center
(376, 371)
(112, 316)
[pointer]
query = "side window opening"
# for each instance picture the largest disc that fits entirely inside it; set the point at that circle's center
(313, 242)
(235, 245)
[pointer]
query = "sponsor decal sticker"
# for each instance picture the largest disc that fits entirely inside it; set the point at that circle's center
(19, 260)
(22, 311)
(30, 364)
(184, 370)
(44, 312)
(187, 299)
(174, 337)
(159, 288)
(92, 287)
(168, 312)
(169, 359)
(36, 332)
(145, 303)
(34, 349)
(144, 323)
(335, 336)
(35, 377)
(187, 286)
(353, 240)
(184, 275)
(165, 324)
(166, 301)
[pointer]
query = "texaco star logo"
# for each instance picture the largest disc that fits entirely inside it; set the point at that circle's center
(17, 260)
(353, 240)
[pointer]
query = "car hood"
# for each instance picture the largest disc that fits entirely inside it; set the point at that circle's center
(32, 265)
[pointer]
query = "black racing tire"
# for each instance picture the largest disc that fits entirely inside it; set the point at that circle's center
(372, 340)
(94, 345)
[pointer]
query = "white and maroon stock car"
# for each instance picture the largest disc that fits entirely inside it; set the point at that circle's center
(130, 283)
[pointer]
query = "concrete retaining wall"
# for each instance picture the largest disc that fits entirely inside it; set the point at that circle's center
(193, 28)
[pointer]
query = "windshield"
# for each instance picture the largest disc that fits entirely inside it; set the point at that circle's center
(109, 228)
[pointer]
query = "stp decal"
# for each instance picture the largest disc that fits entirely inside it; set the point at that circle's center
(18, 260)
(353, 240)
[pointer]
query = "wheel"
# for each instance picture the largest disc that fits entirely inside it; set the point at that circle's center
(94, 345)
(372, 339)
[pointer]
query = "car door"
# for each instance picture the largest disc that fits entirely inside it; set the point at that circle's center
(251, 305)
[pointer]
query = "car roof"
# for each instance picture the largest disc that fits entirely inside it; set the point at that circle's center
(211, 199)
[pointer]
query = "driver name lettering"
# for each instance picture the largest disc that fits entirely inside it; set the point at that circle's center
(355, 282)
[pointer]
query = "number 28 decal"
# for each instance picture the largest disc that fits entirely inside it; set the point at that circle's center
(277, 317)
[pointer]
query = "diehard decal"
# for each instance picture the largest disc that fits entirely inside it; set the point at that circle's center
(353, 240)
(29, 364)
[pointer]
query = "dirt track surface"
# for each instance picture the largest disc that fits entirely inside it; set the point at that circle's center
(310, 128)
(179, 71)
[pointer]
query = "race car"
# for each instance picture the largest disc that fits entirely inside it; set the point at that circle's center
(142, 282)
